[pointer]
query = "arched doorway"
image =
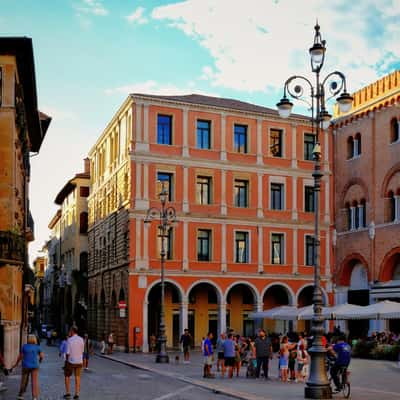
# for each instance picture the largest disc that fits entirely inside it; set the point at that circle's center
(274, 296)
(101, 317)
(113, 310)
(203, 299)
(241, 300)
(390, 274)
(173, 300)
(305, 298)
(358, 294)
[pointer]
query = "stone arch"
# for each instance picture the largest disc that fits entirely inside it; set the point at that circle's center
(245, 283)
(386, 180)
(346, 267)
(349, 184)
(207, 281)
(325, 298)
(389, 264)
(287, 288)
(166, 280)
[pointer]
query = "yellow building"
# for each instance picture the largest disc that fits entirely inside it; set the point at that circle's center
(71, 291)
(22, 130)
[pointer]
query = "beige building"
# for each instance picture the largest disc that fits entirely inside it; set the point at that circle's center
(72, 246)
(22, 130)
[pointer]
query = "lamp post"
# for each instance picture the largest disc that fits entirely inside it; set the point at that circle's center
(317, 386)
(166, 217)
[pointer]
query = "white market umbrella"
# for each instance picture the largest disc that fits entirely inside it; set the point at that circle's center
(337, 312)
(382, 310)
(273, 313)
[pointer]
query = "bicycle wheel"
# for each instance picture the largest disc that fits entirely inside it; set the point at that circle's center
(346, 390)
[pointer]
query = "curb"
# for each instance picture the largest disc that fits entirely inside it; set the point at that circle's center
(195, 382)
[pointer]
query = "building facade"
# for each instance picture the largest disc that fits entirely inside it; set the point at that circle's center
(367, 199)
(22, 130)
(240, 179)
(70, 265)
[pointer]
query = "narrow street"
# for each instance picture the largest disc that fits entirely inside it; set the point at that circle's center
(107, 380)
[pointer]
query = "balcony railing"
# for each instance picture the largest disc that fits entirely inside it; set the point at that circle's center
(12, 248)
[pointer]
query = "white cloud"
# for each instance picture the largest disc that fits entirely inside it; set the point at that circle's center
(153, 87)
(257, 44)
(137, 17)
(91, 7)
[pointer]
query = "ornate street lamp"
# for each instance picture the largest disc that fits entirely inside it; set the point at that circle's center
(166, 217)
(317, 386)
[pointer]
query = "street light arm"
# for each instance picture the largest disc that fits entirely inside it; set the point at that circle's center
(297, 91)
(152, 213)
(335, 87)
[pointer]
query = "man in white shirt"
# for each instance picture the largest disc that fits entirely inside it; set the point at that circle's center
(74, 361)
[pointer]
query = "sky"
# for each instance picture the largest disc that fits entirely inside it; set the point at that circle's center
(90, 54)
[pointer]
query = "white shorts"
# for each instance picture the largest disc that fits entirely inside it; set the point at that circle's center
(208, 360)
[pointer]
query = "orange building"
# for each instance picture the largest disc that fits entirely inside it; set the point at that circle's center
(22, 130)
(240, 180)
(367, 199)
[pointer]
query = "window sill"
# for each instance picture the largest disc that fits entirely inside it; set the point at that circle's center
(354, 157)
(394, 143)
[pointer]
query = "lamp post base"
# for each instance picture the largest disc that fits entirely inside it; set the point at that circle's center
(162, 359)
(318, 392)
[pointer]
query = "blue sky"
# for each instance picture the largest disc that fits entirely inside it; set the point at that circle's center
(89, 54)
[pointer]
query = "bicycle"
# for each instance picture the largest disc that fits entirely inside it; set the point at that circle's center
(344, 386)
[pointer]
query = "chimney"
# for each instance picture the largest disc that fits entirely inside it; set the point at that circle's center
(86, 164)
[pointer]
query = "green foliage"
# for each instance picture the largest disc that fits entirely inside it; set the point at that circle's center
(376, 351)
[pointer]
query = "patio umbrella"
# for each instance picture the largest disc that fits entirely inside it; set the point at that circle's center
(308, 312)
(337, 311)
(382, 310)
(273, 313)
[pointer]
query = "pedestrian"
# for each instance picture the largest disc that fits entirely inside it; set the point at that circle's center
(220, 351)
(263, 348)
(228, 347)
(186, 341)
(88, 350)
(153, 343)
(238, 358)
(208, 356)
(103, 346)
(302, 360)
(74, 361)
(284, 352)
(63, 349)
(31, 355)
(48, 337)
(292, 364)
(3, 372)
(110, 342)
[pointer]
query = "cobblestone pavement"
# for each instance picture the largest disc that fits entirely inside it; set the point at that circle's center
(107, 380)
(370, 380)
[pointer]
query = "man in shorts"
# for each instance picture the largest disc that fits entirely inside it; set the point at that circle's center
(73, 363)
(208, 356)
(220, 351)
(186, 341)
(229, 355)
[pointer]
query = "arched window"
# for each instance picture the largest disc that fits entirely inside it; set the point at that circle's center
(357, 145)
(350, 148)
(394, 130)
(83, 222)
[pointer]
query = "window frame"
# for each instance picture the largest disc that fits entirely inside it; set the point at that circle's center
(282, 248)
(170, 186)
(310, 239)
(308, 208)
(246, 241)
(246, 189)
(271, 145)
(237, 148)
(170, 118)
(272, 198)
(200, 241)
(202, 184)
(306, 146)
(202, 132)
